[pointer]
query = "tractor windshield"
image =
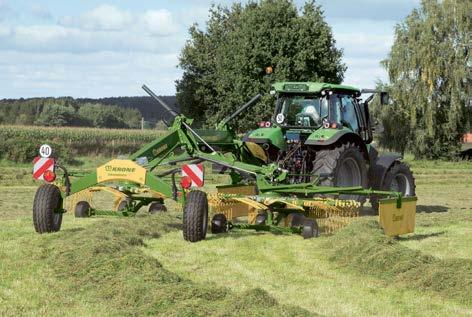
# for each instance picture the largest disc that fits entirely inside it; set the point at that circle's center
(301, 110)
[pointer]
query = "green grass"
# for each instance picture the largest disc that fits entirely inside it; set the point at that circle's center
(142, 266)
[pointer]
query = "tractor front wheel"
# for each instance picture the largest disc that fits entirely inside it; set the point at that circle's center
(195, 218)
(47, 209)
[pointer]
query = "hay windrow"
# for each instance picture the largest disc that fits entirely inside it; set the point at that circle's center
(363, 246)
(104, 262)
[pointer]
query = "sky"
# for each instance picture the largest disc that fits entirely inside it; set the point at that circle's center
(99, 48)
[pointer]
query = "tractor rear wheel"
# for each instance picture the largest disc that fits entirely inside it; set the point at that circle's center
(342, 166)
(195, 218)
(398, 178)
(47, 213)
(82, 209)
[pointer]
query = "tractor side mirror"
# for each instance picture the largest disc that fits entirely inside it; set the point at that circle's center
(384, 98)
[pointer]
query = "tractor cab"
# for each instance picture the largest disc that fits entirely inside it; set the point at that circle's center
(321, 106)
(312, 113)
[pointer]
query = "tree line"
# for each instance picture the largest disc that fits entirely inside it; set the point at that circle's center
(67, 112)
(112, 112)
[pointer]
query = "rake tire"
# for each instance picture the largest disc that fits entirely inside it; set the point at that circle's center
(47, 201)
(296, 219)
(155, 208)
(82, 209)
(195, 217)
(123, 205)
(219, 224)
(310, 229)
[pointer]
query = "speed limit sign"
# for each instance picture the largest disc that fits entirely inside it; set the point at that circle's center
(45, 151)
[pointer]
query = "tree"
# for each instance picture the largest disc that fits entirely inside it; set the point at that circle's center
(224, 66)
(56, 115)
(100, 116)
(430, 73)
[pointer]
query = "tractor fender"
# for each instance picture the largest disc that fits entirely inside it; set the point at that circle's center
(270, 135)
(339, 136)
(379, 168)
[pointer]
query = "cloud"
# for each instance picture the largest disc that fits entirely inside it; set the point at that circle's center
(110, 18)
(6, 11)
(57, 38)
(104, 28)
(363, 72)
(41, 11)
(93, 75)
(5, 31)
(160, 22)
(368, 9)
(103, 17)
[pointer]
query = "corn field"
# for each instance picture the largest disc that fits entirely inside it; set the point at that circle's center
(20, 143)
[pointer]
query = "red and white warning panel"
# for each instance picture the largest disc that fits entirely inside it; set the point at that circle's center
(195, 173)
(41, 165)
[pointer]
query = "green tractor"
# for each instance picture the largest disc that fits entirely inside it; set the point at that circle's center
(324, 131)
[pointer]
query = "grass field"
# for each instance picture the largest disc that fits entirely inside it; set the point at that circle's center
(108, 266)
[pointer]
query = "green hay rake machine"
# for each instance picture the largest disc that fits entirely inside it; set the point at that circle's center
(304, 172)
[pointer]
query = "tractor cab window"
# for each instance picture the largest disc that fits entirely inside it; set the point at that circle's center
(305, 111)
(346, 112)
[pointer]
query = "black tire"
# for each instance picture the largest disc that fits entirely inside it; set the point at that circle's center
(156, 207)
(296, 219)
(195, 218)
(261, 218)
(342, 166)
(47, 205)
(219, 224)
(310, 229)
(399, 177)
(82, 210)
(122, 206)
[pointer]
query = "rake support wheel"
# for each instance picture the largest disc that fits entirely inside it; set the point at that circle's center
(82, 209)
(47, 213)
(219, 224)
(310, 229)
(156, 207)
(195, 218)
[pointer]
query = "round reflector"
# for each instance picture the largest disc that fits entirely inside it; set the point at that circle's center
(185, 182)
(49, 176)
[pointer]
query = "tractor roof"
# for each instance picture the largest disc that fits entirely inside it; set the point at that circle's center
(308, 87)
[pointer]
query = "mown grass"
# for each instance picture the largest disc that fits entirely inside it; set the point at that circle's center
(97, 267)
